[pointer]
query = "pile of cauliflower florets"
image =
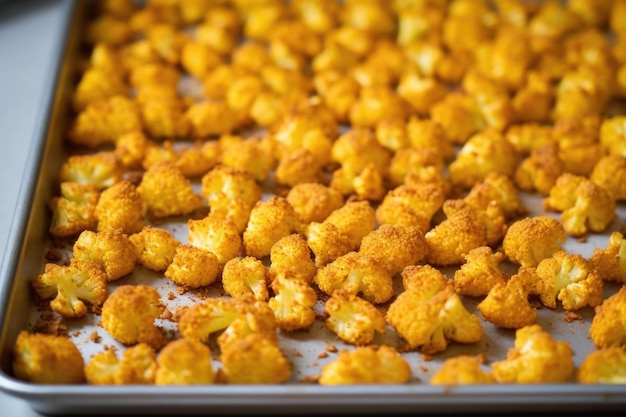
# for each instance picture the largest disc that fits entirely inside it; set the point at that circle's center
(359, 164)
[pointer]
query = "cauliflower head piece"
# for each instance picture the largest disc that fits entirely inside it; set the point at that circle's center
(366, 365)
(609, 322)
(535, 358)
(610, 261)
(244, 275)
(352, 318)
(530, 240)
(193, 267)
(120, 206)
(507, 306)
(603, 366)
(155, 247)
(462, 369)
(184, 362)
(137, 365)
(111, 249)
(73, 287)
(292, 303)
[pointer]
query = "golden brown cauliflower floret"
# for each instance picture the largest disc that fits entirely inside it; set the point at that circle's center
(254, 359)
(74, 210)
(612, 135)
(47, 359)
(269, 221)
(111, 250)
(424, 279)
(250, 154)
(358, 274)
(184, 362)
(136, 366)
(292, 303)
(108, 29)
(219, 236)
(223, 184)
(356, 149)
(506, 305)
(97, 84)
(120, 207)
(610, 174)
(131, 148)
(457, 113)
(72, 287)
(198, 59)
(211, 118)
(530, 240)
(102, 169)
(245, 275)
(535, 358)
(313, 202)
(584, 205)
(483, 153)
(579, 146)
(395, 246)
(540, 170)
(355, 219)
(167, 192)
(155, 247)
(610, 261)
(603, 366)
(165, 118)
(480, 272)
(410, 161)
(326, 242)
(461, 231)
(353, 319)
(291, 257)
(525, 137)
(499, 188)
(430, 322)
(129, 315)
(103, 121)
(608, 324)
(569, 278)
(234, 317)
(193, 267)
(462, 369)
(367, 365)
(411, 204)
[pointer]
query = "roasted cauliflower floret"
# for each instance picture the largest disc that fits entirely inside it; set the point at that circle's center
(102, 169)
(610, 261)
(480, 272)
(155, 247)
(292, 303)
(184, 362)
(430, 322)
(462, 369)
(291, 257)
(610, 174)
(137, 365)
(132, 147)
(579, 147)
(358, 274)
(507, 306)
(103, 121)
(254, 359)
(569, 278)
(530, 240)
(74, 209)
(313, 202)
(129, 315)
(216, 235)
(499, 188)
(353, 319)
(226, 188)
(111, 250)
(411, 205)
(540, 170)
(483, 153)
(609, 322)
(47, 359)
(72, 288)
(459, 116)
(245, 275)
(251, 154)
(233, 317)
(193, 267)
(584, 205)
(367, 365)
(120, 207)
(355, 219)
(612, 134)
(535, 358)
(410, 161)
(326, 242)
(269, 221)
(603, 366)
(167, 192)
(395, 246)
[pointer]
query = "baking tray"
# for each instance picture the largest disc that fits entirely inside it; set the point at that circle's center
(25, 256)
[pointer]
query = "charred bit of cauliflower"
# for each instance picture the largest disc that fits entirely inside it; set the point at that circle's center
(47, 359)
(72, 287)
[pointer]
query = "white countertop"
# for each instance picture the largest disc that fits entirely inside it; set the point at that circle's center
(29, 32)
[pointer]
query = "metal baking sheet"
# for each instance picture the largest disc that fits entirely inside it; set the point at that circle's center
(308, 351)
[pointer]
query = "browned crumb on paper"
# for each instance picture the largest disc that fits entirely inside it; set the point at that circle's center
(423, 369)
(95, 337)
(49, 323)
(310, 379)
(171, 296)
(582, 239)
(76, 333)
(571, 316)
(297, 354)
(331, 348)
(54, 255)
(426, 358)
(167, 315)
(322, 355)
